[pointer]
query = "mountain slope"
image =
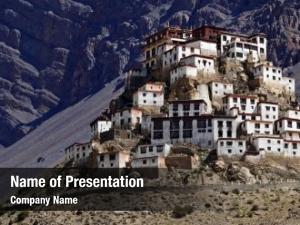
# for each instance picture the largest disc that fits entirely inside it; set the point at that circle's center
(55, 52)
(50, 139)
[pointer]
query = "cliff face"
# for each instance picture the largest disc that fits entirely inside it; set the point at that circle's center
(54, 52)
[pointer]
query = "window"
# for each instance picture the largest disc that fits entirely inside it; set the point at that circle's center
(144, 161)
(160, 148)
(150, 148)
(261, 40)
(257, 125)
(239, 45)
(220, 123)
(196, 106)
(229, 133)
(148, 54)
(158, 125)
(220, 133)
(112, 157)
(154, 95)
(153, 52)
(187, 124)
(186, 107)
(229, 151)
(192, 50)
(239, 55)
(174, 134)
(157, 135)
(240, 143)
(267, 126)
(187, 133)
(229, 124)
(262, 50)
(143, 150)
(101, 158)
(201, 124)
(175, 107)
(183, 48)
(221, 143)
(290, 124)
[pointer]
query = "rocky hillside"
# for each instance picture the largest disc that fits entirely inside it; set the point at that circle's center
(54, 52)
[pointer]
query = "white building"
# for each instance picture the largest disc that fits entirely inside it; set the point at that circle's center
(112, 159)
(78, 152)
(276, 145)
(153, 150)
(206, 47)
(231, 147)
(180, 71)
(292, 114)
(241, 47)
(269, 144)
(291, 148)
(287, 124)
(245, 103)
(243, 116)
(291, 135)
(188, 108)
(149, 162)
(127, 118)
(151, 156)
(205, 65)
(289, 84)
(267, 72)
(149, 95)
(203, 130)
(257, 127)
(174, 55)
(268, 110)
(219, 89)
(271, 76)
(196, 130)
(100, 125)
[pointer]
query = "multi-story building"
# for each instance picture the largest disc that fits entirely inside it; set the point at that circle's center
(257, 127)
(127, 118)
(151, 156)
(162, 41)
(205, 65)
(149, 95)
(78, 152)
(269, 111)
(183, 70)
(112, 159)
(242, 47)
(188, 108)
(231, 147)
(219, 89)
(99, 125)
(269, 144)
(173, 56)
(245, 103)
(285, 124)
(203, 130)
